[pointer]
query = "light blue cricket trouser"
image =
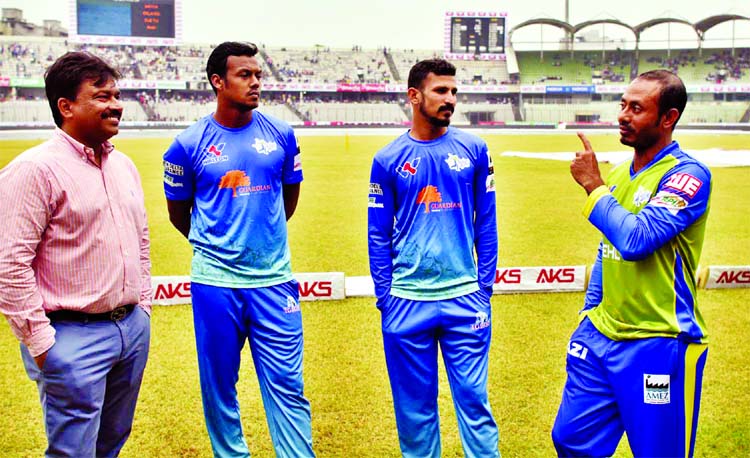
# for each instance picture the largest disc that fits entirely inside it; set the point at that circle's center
(89, 384)
(270, 319)
(412, 331)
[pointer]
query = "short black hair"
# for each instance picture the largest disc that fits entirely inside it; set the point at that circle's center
(673, 93)
(217, 61)
(420, 70)
(63, 78)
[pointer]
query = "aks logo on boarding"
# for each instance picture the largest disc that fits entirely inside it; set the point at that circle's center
(409, 168)
(214, 153)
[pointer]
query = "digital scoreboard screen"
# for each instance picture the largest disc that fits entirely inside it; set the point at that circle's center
(155, 19)
(478, 35)
(475, 35)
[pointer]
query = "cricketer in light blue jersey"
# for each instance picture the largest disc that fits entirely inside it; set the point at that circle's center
(635, 363)
(432, 237)
(232, 182)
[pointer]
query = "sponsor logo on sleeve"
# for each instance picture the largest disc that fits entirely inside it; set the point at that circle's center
(264, 147)
(685, 182)
(490, 182)
(656, 388)
(297, 162)
(375, 189)
(409, 168)
(671, 201)
(457, 163)
(372, 202)
(169, 181)
(173, 169)
(214, 154)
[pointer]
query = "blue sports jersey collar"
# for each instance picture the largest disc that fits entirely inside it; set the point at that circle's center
(669, 149)
(216, 124)
(435, 141)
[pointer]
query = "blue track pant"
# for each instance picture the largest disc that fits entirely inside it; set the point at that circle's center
(89, 384)
(649, 388)
(412, 331)
(270, 319)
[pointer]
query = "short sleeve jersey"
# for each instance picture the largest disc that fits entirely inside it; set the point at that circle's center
(234, 176)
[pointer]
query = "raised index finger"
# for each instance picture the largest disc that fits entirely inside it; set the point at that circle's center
(586, 144)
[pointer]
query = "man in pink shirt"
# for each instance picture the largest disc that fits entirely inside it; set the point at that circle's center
(74, 264)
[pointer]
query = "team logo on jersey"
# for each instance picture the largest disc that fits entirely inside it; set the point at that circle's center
(432, 200)
(239, 183)
(264, 147)
(292, 306)
(214, 153)
(656, 388)
(641, 197)
(482, 321)
(685, 182)
(457, 163)
(409, 168)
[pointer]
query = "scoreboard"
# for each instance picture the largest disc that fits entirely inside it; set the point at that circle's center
(475, 35)
(126, 21)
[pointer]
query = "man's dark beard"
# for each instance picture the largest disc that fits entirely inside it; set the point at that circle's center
(645, 141)
(435, 121)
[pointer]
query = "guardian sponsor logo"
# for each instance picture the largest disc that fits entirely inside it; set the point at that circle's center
(291, 305)
(656, 388)
(685, 182)
(213, 154)
(482, 321)
(264, 147)
(432, 200)
(457, 163)
(409, 168)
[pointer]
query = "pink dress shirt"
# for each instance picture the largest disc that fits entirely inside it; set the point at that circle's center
(74, 236)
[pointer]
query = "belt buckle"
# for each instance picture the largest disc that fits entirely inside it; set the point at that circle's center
(118, 313)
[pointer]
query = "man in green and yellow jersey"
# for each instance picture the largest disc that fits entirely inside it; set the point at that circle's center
(635, 363)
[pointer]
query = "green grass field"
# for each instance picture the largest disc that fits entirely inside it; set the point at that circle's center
(540, 223)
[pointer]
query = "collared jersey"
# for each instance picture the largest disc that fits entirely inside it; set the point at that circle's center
(234, 177)
(653, 222)
(431, 204)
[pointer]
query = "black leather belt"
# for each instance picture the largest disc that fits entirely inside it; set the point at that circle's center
(70, 315)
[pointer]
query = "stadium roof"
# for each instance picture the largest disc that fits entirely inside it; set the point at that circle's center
(699, 27)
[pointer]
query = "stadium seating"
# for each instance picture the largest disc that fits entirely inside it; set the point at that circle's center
(583, 67)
